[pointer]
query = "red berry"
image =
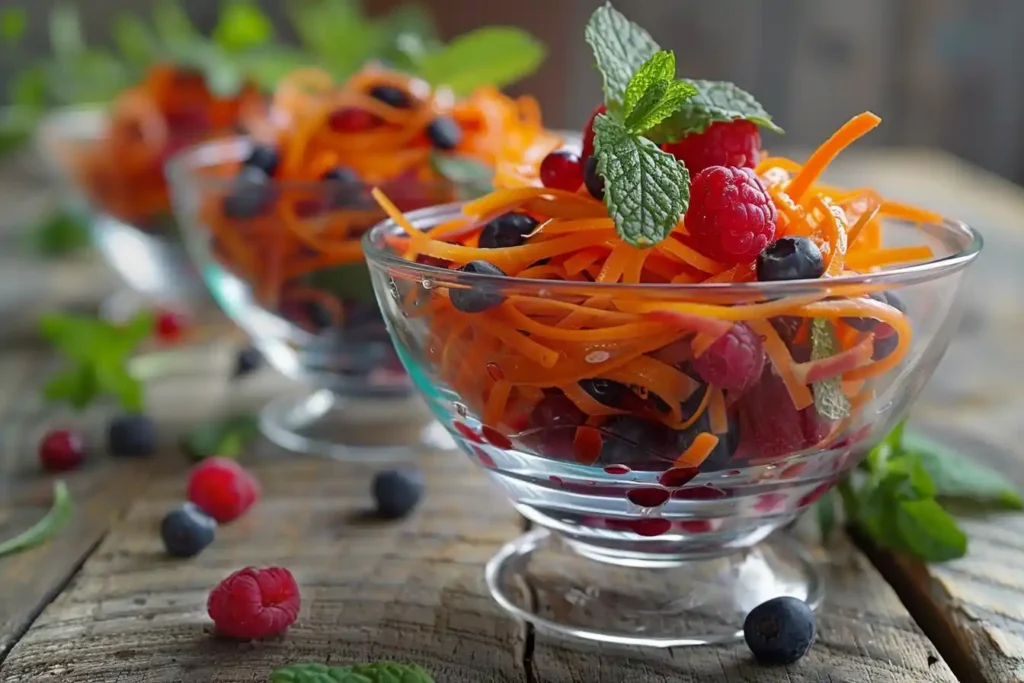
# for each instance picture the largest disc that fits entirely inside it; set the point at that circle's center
(562, 170)
(222, 489)
(254, 603)
(770, 424)
(169, 326)
(734, 361)
(352, 119)
(61, 450)
(731, 216)
(724, 143)
(588, 133)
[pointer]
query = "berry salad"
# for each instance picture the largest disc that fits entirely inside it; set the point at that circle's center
(675, 301)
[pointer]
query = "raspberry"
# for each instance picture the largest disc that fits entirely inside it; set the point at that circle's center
(169, 326)
(222, 489)
(588, 133)
(731, 216)
(254, 603)
(771, 426)
(61, 450)
(734, 361)
(725, 143)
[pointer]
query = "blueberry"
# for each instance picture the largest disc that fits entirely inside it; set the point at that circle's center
(248, 360)
(790, 258)
(884, 346)
(250, 196)
(131, 436)
(397, 492)
(319, 316)
(444, 133)
(507, 230)
(606, 391)
(346, 187)
(264, 158)
(478, 297)
(780, 631)
(869, 324)
(641, 444)
(187, 530)
(388, 94)
(593, 181)
(721, 456)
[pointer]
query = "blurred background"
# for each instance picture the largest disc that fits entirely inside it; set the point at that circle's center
(941, 73)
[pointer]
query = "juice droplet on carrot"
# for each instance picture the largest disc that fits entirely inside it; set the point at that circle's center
(597, 356)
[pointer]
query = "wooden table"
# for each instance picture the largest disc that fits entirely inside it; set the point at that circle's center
(101, 604)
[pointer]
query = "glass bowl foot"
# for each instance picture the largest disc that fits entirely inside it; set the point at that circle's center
(354, 428)
(695, 602)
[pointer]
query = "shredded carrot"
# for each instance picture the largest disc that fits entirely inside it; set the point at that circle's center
(698, 451)
(855, 128)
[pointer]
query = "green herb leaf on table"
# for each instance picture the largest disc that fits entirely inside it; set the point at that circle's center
(57, 235)
(825, 509)
(226, 438)
(621, 48)
(958, 477)
(928, 531)
(646, 190)
(715, 101)
(492, 55)
(829, 399)
(375, 672)
(47, 527)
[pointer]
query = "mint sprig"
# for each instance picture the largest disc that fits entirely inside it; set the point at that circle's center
(50, 525)
(829, 399)
(715, 101)
(374, 672)
(901, 497)
(620, 48)
(653, 94)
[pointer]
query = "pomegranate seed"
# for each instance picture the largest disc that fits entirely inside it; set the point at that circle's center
(495, 437)
(61, 450)
(562, 170)
(648, 496)
(678, 476)
(617, 469)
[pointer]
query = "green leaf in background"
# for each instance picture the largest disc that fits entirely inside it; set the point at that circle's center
(493, 55)
(959, 477)
(28, 89)
(174, 28)
(409, 34)
(464, 171)
(265, 66)
(349, 281)
(77, 387)
(66, 39)
(242, 25)
(13, 22)
(928, 531)
(226, 438)
(58, 235)
(336, 33)
(829, 399)
(135, 41)
(47, 527)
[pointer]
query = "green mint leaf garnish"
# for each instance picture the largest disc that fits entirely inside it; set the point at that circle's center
(135, 42)
(715, 101)
(226, 438)
(57, 235)
(242, 25)
(660, 68)
(392, 672)
(653, 94)
(928, 531)
(47, 527)
(960, 478)
(646, 190)
(376, 672)
(620, 48)
(13, 23)
(98, 354)
(494, 55)
(829, 399)
(464, 172)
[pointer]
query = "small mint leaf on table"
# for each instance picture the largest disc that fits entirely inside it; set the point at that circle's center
(825, 509)
(960, 478)
(647, 190)
(492, 55)
(47, 527)
(226, 438)
(57, 235)
(715, 101)
(621, 48)
(392, 672)
(928, 531)
(376, 672)
(829, 399)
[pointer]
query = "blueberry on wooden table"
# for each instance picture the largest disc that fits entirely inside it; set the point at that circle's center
(780, 631)
(478, 296)
(397, 492)
(790, 258)
(507, 230)
(131, 436)
(187, 530)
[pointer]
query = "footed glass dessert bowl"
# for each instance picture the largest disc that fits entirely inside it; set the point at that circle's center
(657, 434)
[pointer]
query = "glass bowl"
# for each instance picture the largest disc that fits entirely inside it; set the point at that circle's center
(644, 532)
(137, 238)
(283, 259)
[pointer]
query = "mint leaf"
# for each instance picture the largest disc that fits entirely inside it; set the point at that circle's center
(226, 438)
(392, 672)
(620, 48)
(57, 235)
(465, 172)
(494, 55)
(825, 509)
(314, 673)
(657, 104)
(66, 31)
(135, 42)
(660, 68)
(47, 527)
(242, 25)
(715, 101)
(13, 23)
(958, 477)
(929, 532)
(174, 29)
(77, 387)
(335, 32)
(829, 399)
(646, 190)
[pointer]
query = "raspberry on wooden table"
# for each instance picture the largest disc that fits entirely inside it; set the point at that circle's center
(724, 143)
(222, 489)
(731, 216)
(254, 603)
(61, 449)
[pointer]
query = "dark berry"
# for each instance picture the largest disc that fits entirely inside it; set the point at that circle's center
(869, 324)
(248, 360)
(562, 170)
(724, 143)
(591, 178)
(790, 258)
(728, 443)
(397, 492)
(320, 317)
(187, 530)
(507, 230)
(734, 361)
(478, 296)
(588, 132)
(787, 326)
(61, 450)
(346, 186)
(606, 391)
(131, 436)
(731, 216)
(264, 158)
(772, 426)
(351, 120)
(780, 631)
(444, 133)
(883, 346)
(640, 444)
(250, 196)
(390, 95)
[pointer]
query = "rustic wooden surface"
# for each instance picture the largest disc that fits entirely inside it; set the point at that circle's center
(101, 604)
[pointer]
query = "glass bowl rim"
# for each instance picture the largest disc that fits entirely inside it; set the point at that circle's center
(904, 275)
